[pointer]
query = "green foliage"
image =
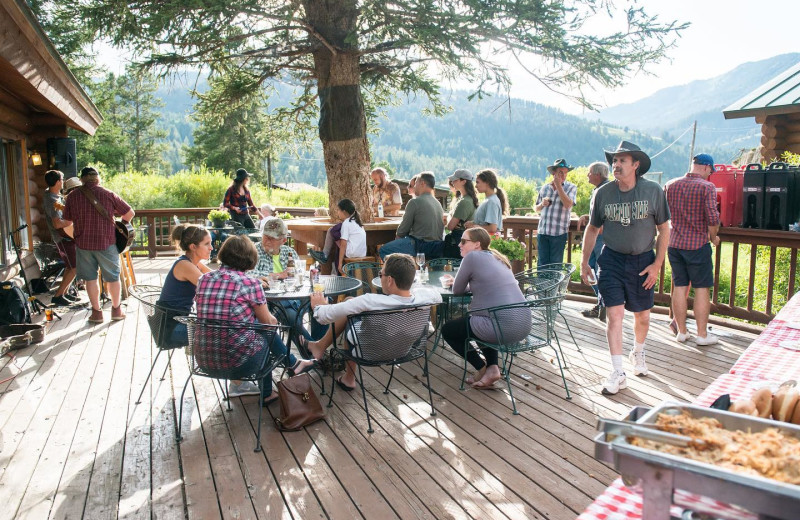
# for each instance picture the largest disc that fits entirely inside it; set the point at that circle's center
(512, 249)
(584, 197)
(136, 113)
(306, 198)
(521, 192)
(218, 214)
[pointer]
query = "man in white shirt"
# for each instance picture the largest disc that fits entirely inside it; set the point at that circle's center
(397, 276)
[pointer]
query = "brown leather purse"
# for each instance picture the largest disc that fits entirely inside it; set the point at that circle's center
(299, 403)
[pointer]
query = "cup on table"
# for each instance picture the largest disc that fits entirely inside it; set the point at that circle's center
(446, 281)
(319, 287)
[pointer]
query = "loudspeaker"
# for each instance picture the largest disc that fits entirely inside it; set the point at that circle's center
(753, 196)
(61, 155)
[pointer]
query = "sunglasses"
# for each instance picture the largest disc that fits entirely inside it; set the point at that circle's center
(381, 274)
(465, 240)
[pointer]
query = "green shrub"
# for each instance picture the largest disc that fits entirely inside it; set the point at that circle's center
(513, 249)
(521, 192)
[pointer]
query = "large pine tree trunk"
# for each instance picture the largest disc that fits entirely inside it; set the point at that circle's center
(342, 124)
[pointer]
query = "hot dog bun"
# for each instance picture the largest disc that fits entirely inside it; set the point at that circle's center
(744, 406)
(763, 401)
(784, 403)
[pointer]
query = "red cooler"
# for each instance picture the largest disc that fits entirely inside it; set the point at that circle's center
(729, 182)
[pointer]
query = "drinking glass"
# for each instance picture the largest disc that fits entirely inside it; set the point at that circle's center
(420, 259)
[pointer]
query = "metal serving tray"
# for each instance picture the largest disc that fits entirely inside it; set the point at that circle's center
(662, 473)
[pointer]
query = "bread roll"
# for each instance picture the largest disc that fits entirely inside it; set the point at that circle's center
(795, 419)
(744, 406)
(784, 402)
(763, 401)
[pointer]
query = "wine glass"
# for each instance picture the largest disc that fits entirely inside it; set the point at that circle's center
(420, 260)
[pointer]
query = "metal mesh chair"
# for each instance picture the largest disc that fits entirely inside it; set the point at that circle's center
(387, 337)
(160, 319)
(439, 264)
(567, 270)
(510, 323)
(364, 272)
(212, 352)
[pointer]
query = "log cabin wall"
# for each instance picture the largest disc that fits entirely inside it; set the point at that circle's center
(779, 133)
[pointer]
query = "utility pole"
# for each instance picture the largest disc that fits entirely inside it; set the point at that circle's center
(691, 149)
(269, 172)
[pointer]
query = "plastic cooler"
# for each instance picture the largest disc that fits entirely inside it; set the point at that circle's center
(781, 204)
(729, 181)
(753, 196)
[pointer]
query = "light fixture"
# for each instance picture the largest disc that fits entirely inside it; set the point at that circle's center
(35, 157)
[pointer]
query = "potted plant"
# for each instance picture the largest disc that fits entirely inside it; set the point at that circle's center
(514, 250)
(218, 217)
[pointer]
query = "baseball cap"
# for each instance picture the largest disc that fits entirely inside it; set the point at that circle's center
(461, 174)
(704, 159)
(275, 227)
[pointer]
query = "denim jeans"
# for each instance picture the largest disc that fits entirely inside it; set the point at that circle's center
(598, 248)
(550, 249)
(291, 308)
(412, 246)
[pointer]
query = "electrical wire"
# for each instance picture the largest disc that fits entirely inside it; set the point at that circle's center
(673, 142)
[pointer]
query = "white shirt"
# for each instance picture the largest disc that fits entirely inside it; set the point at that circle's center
(356, 239)
(375, 302)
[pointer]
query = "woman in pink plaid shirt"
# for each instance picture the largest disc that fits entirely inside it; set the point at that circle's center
(230, 295)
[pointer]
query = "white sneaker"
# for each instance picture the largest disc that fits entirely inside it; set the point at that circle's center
(681, 338)
(243, 388)
(710, 339)
(616, 381)
(637, 360)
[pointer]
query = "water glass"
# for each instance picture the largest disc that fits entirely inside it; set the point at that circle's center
(420, 259)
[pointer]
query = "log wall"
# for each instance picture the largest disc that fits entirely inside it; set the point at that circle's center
(779, 133)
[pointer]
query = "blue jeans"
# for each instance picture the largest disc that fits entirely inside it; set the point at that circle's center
(254, 363)
(412, 246)
(598, 248)
(291, 308)
(550, 249)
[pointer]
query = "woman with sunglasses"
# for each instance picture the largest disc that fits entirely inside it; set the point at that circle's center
(487, 275)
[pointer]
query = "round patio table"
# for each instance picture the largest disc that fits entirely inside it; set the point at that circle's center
(334, 286)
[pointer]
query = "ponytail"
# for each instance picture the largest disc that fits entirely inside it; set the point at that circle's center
(489, 176)
(349, 207)
(184, 235)
(501, 194)
(482, 237)
(469, 191)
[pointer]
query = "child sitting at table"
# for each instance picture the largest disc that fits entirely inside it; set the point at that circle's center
(346, 240)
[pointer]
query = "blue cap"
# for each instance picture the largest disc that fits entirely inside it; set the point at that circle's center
(704, 159)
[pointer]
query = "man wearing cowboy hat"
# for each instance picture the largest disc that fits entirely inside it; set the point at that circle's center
(554, 202)
(634, 215)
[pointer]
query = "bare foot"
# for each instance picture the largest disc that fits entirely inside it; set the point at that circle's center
(313, 347)
(477, 376)
(490, 377)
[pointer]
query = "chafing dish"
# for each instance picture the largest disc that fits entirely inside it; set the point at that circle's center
(661, 473)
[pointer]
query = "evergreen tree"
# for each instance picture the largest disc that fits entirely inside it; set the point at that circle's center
(346, 49)
(136, 117)
(108, 145)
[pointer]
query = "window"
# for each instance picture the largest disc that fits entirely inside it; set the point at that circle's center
(12, 199)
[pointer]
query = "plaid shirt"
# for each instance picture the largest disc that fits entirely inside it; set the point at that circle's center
(234, 201)
(227, 295)
(555, 217)
(264, 266)
(693, 204)
(93, 232)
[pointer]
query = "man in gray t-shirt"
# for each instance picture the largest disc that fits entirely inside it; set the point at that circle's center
(422, 228)
(632, 211)
(60, 232)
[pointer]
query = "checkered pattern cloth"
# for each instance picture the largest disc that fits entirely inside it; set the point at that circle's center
(93, 232)
(555, 217)
(693, 205)
(264, 267)
(738, 387)
(766, 359)
(227, 295)
(234, 201)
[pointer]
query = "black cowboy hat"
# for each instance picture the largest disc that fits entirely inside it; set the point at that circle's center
(635, 152)
(560, 163)
(242, 174)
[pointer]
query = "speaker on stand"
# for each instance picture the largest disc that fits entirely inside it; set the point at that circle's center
(62, 156)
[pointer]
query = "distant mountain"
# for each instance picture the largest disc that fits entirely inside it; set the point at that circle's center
(670, 111)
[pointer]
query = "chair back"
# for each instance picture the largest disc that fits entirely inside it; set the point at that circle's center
(363, 271)
(238, 228)
(522, 326)
(439, 264)
(388, 336)
(160, 318)
(219, 348)
(565, 268)
(540, 284)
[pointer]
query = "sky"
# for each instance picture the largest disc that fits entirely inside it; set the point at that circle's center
(723, 34)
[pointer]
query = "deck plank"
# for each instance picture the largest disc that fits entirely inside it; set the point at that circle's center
(75, 445)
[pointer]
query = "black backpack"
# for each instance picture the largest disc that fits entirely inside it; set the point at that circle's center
(13, 305)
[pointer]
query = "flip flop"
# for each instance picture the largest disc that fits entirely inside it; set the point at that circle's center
(344, 386)
(471, 379)
(480, 385)
(293, 371)
(271, 398)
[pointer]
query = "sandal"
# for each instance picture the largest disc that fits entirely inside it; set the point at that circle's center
(311, 366)
(271, 398)
(344, 386)
(485, 385)
(471, 380)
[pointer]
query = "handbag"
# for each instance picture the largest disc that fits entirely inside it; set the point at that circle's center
(299, 403)
(123, 231)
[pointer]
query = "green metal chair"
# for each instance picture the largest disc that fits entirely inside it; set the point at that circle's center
(365, 272)
(567, 270)
(439, 264)
(509, 324)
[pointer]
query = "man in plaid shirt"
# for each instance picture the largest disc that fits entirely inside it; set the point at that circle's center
(692, 201)
(554, 202)
(95, 241)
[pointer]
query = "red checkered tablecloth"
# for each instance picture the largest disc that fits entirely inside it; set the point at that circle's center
(766, 359)
(739, 387)
(790, 311)
(618, 502)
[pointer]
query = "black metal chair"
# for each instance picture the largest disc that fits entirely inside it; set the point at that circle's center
(387, 337)
(509, 323)
(211, 354)
(160, 319)
(364, 272)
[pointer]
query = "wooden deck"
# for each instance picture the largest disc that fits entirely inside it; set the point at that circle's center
(74, 444)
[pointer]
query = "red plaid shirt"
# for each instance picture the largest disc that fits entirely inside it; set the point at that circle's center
(94, 232)
(693, 205)
(228, 295)
(233, 201)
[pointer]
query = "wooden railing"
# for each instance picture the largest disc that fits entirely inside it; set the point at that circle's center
(155, 225)
(755, 270)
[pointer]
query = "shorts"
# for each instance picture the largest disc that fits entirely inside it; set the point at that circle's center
(66, 250)
(619, 282)
(106, 260)
(692, 266)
